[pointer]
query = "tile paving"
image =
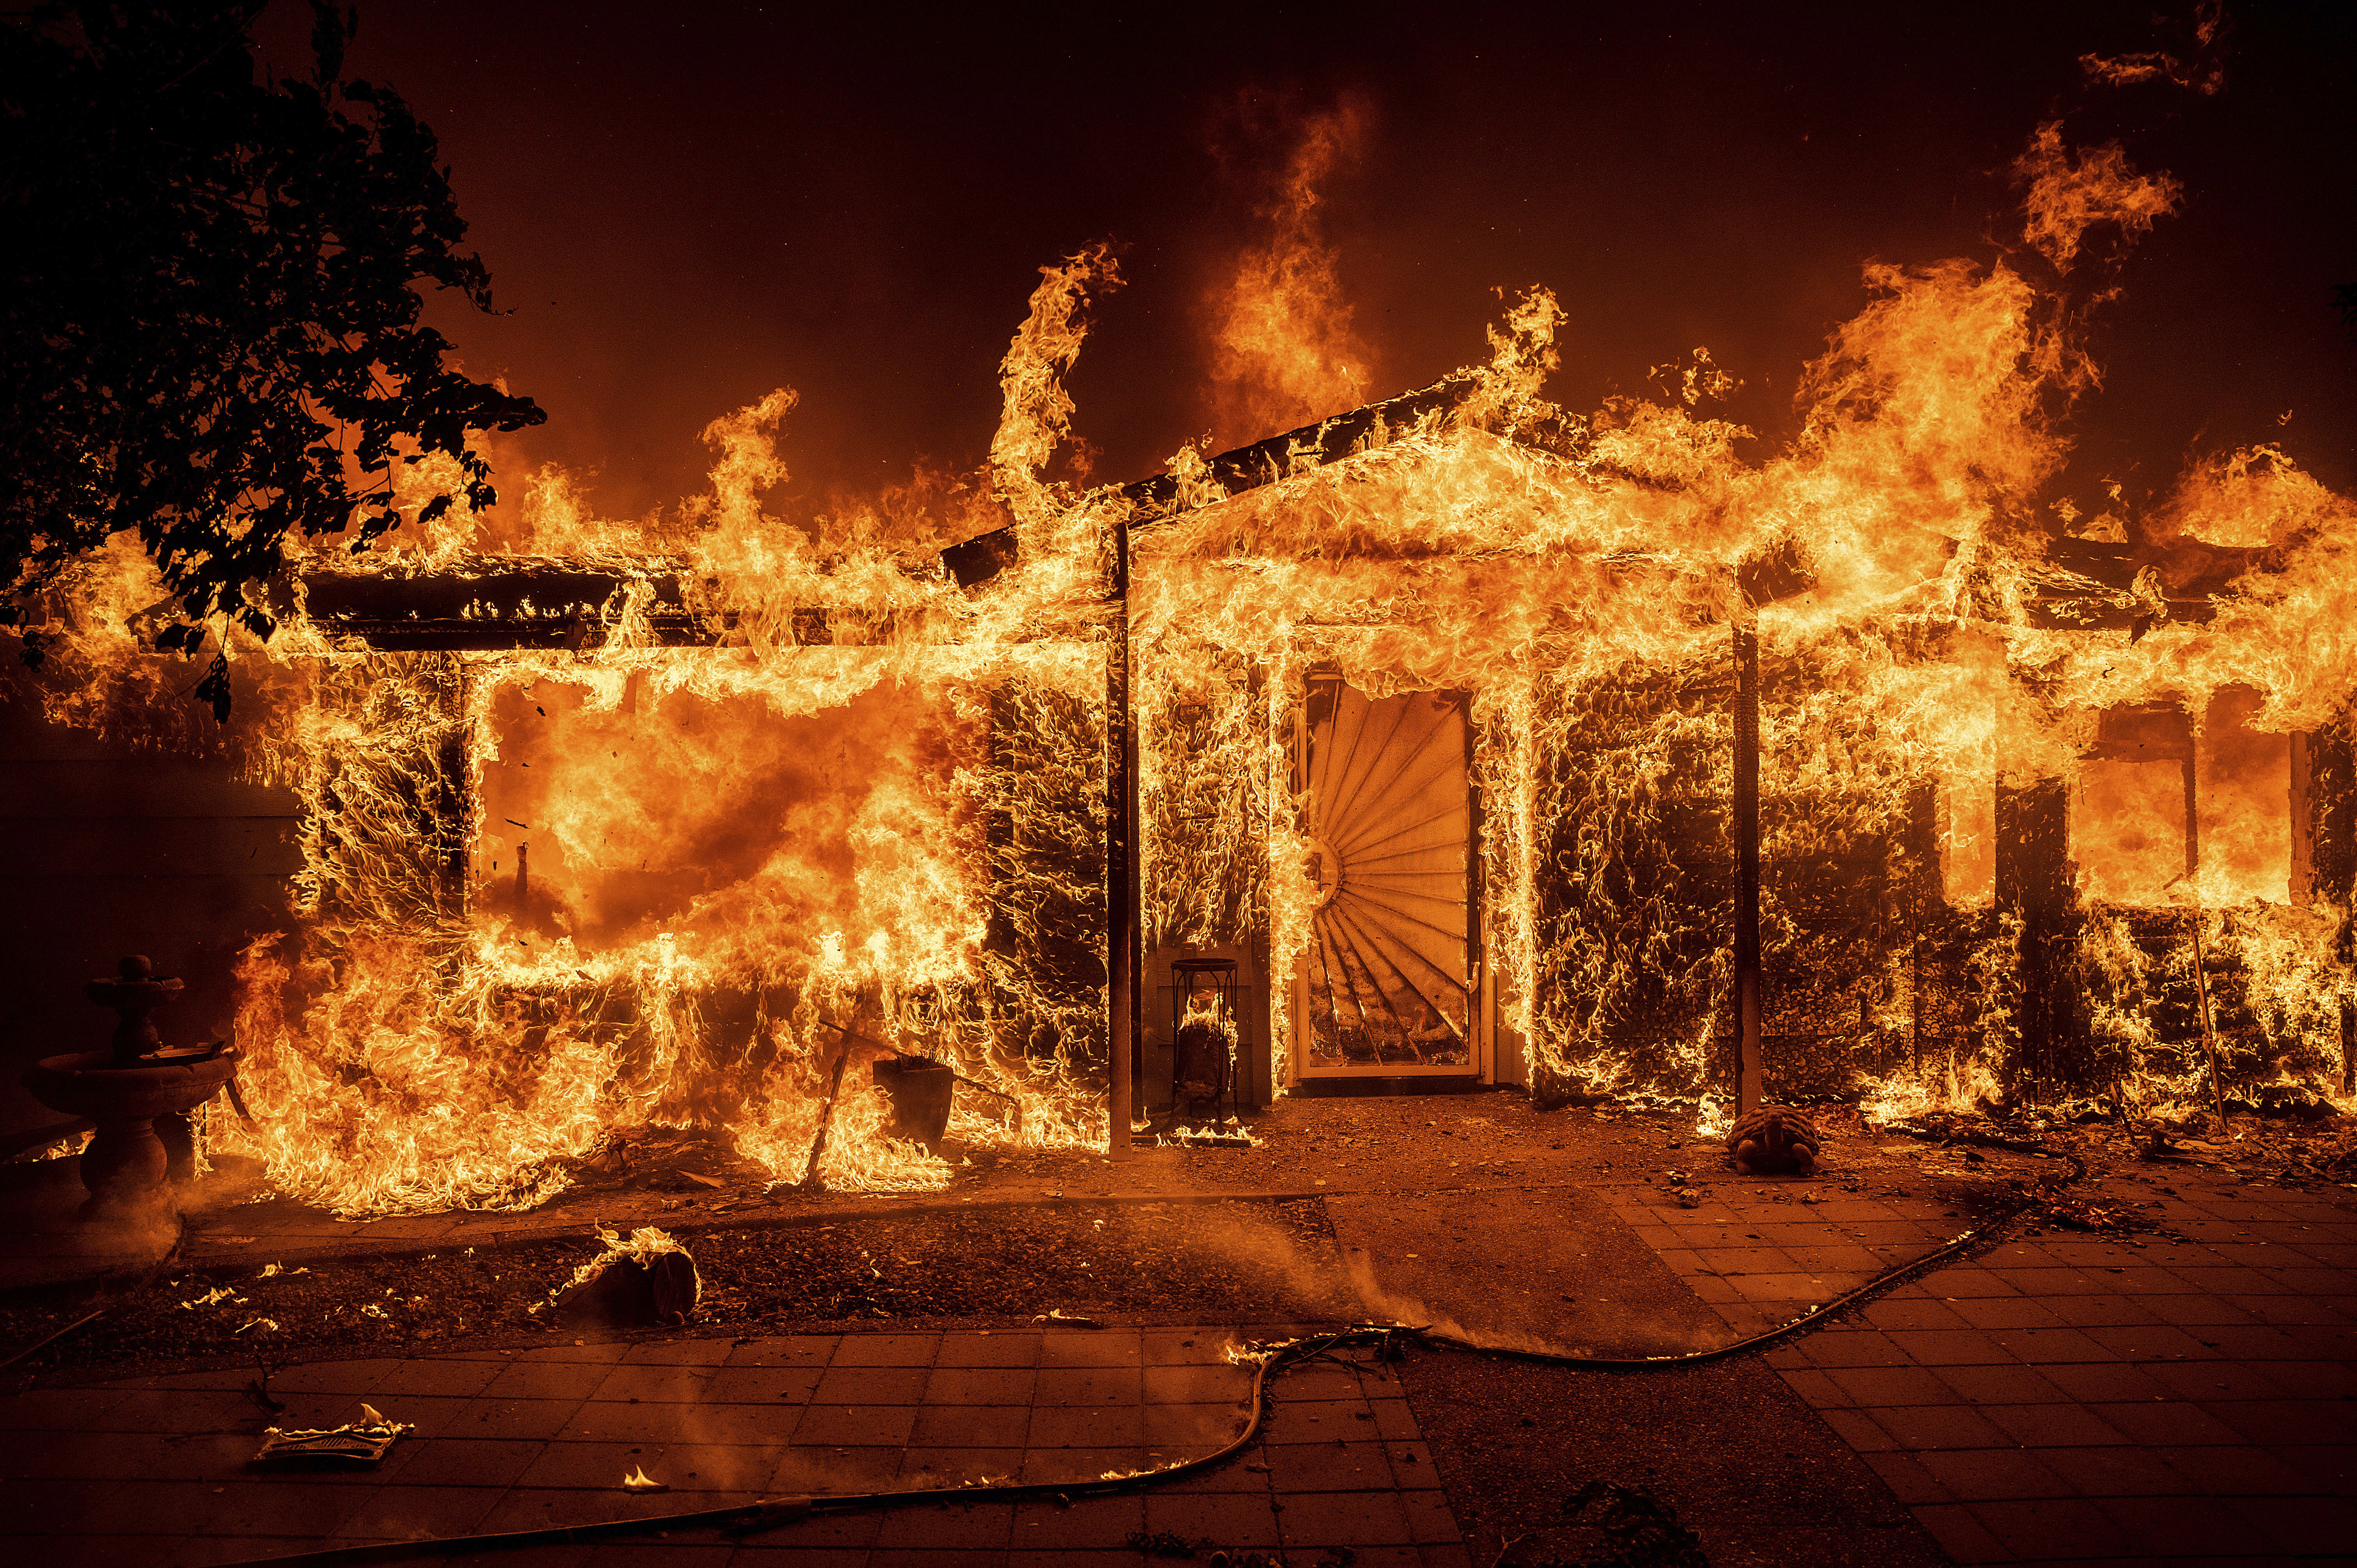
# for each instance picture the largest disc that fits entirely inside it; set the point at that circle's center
(153, 1471)
(2064, 1397)
(2058, 1399)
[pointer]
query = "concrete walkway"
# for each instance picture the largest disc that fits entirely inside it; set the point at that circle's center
(151, 1472)
(2178, 1399)
(2188, 1396)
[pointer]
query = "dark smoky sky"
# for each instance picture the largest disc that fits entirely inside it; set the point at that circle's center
(686, 206)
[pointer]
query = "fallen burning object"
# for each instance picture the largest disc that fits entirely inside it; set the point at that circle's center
(660, 1158)
(355, 1444)
(1775, 1141)
(648, 1279)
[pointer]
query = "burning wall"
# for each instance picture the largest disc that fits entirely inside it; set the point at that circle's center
(1957, 869)
(763, 795)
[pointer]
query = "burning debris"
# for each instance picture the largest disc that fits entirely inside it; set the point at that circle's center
(648, 1279)
(2092, 1214)
(697, 1161)
(1068, 1319)
(359, 1445)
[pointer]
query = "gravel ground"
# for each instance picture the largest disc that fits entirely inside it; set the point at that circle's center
(1231, 1261)
(1732, 1452)
(815, 1259)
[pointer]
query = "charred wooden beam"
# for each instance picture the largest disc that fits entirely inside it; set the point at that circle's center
(1244, 469)
(521, 603)
(2034, 884)
(981, 558)
(1922, 896)
(1124, 989)
(1746, 867)
(1298, 451)
(2303, 818)
(536, 603)
(2091, 585)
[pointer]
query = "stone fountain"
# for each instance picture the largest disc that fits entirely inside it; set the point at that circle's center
(124, 1089)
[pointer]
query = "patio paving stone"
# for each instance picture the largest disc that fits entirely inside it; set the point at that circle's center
(2074, 1398)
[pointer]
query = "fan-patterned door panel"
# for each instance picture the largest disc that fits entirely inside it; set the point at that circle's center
(1389, 974)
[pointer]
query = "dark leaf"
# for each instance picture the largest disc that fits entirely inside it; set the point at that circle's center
(214, 688)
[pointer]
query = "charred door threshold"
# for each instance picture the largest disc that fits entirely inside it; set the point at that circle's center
(1356, 1087)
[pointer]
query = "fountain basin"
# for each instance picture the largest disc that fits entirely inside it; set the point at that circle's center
(126, 1165)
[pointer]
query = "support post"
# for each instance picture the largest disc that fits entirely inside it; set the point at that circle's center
(2331, 831)
(2192, 802)
(452, 812)
(2034, 884)
(2209, 1033)
(1924, 887)
(1746, 862)
(2302, 805)
(1120, 856)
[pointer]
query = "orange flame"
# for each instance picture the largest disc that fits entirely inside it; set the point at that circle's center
(2066, 199)
(1284, 352)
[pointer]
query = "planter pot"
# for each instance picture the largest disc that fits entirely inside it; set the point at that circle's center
(919, 1092)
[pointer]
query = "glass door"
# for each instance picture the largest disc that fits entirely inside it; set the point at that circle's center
(1387, 989)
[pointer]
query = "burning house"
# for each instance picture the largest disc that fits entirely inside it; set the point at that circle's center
(1628, 705)
(1453, 740)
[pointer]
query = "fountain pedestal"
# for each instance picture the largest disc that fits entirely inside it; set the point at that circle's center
(124, 1089)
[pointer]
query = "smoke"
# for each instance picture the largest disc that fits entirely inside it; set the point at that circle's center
(1644, 1334)
(1399, 1308)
